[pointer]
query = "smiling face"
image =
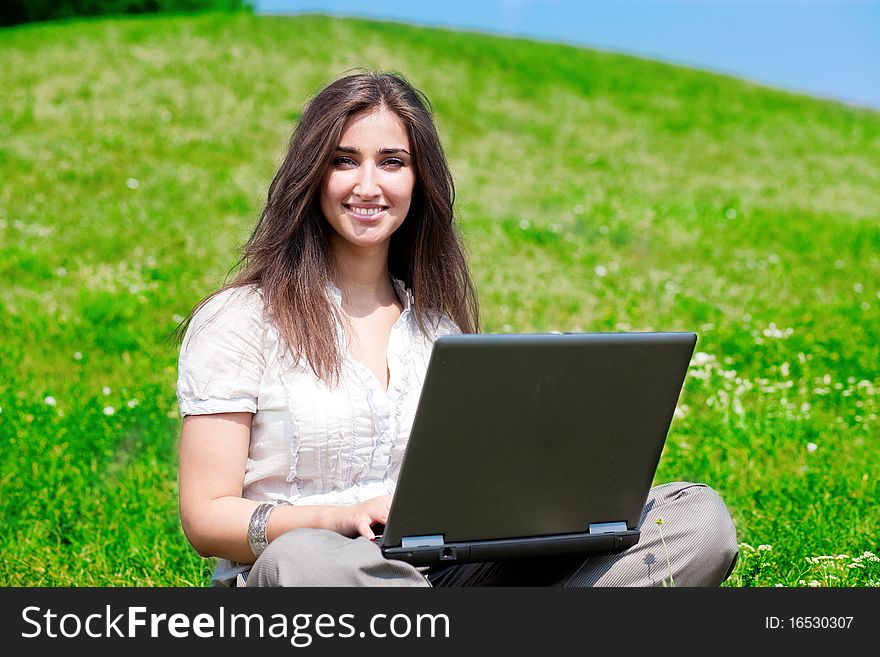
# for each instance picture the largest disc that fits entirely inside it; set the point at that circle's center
(366, 194)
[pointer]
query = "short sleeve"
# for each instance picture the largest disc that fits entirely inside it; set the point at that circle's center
(221, 359)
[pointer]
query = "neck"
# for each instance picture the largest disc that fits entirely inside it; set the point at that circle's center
(362, 276)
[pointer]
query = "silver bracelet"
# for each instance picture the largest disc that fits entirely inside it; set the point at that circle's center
(259, 523)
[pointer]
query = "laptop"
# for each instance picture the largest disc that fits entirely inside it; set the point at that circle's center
(527, 445)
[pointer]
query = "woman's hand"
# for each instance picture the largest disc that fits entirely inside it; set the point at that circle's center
(355, 520)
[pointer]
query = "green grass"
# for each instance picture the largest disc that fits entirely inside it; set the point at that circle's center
(625, 194)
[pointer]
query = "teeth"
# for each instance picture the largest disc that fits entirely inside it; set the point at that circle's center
(365, 212)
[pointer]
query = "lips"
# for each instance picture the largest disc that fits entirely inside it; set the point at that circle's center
(365, 212)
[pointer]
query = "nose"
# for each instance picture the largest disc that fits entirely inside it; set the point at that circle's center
(367, 184)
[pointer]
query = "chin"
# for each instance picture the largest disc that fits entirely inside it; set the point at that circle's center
(366, 240)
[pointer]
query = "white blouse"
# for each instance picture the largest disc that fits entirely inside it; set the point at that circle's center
(310, 443)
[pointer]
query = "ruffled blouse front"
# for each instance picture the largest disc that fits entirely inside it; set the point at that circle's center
(310, 443)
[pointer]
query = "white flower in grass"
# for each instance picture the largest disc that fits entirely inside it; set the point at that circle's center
(764, 548)
(601, 271)
(524, 224)
(814, 583)
(812, 447)
(132, 183)
(109, 410)
(132, 403)
(50, 400)
(77, 355)
(106, 390)
(774, 331)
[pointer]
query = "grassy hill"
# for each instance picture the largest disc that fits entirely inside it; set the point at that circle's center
(625, 194)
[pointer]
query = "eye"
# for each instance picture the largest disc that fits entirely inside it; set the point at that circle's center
(393, 163)
(344, 162)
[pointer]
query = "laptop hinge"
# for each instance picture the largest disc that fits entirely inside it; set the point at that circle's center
(421, 541)
(607, 527)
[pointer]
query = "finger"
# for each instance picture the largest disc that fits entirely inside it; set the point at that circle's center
(365, 531)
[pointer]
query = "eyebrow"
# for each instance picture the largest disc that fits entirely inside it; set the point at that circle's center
(381, 151)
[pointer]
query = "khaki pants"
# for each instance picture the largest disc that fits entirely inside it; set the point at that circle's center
(699, 537)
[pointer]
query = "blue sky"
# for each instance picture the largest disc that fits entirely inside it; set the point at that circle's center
(828, 48)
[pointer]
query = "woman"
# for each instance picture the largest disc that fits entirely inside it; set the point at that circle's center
(298, 381)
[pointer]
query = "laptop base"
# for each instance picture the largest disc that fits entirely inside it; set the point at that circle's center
(513, 548)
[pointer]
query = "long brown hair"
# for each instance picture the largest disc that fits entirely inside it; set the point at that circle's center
(288, 254)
